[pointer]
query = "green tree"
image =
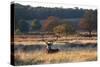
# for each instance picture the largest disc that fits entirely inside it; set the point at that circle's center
(64, 29)
(23, 26)
(17, 31)
(35, 25)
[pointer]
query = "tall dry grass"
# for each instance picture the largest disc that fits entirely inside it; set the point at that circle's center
(24, 58)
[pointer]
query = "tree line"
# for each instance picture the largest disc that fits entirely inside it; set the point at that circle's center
(53, 19)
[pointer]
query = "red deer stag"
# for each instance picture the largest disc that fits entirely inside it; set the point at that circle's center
(49, 40)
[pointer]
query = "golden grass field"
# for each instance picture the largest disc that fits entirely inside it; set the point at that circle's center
(29, 39)
(23, 58)
(42, 57)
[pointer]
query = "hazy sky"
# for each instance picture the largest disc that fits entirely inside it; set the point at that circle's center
(53, 4)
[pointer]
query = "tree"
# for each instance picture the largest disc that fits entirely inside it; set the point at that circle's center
(35, 25)
(50, 23)
(60, 29)
(17, 31)
(64, 29)
(23, 26)
(89, 21)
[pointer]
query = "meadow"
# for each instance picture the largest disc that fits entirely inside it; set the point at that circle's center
(30, 50)
(26, 58)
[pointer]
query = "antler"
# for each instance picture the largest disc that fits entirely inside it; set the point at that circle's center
(43, 38)
(49, 38)
(54, 38)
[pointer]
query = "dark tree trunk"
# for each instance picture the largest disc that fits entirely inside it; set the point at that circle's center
(90, 34)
